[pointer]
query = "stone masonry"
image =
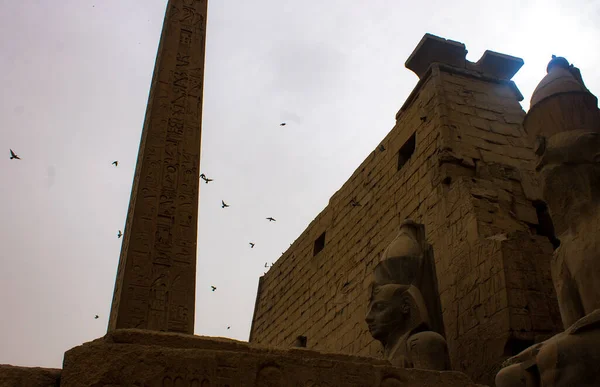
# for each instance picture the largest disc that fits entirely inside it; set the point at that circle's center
(130, 357)
(155, 284)
(459, 162)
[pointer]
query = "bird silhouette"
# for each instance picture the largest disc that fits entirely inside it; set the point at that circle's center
(270, 219)
(115, 163)
(228, 327)
(251, 245)
(213, 288)
(120, 234)
(424, 118)
(96, 317)
(206, 179)
(223, 204)
(283, 124)
(266, 264)
(381, 147)
(354, 203)
(13, 155)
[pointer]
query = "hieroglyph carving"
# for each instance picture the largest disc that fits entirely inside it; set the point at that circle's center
(154, 288)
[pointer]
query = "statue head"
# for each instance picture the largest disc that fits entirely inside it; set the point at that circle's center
(394, 309)
(557, 61)
(407, 242)
(402, 260)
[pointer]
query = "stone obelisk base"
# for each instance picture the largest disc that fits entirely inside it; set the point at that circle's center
(28, 376)
(131, 357)
(145, 358)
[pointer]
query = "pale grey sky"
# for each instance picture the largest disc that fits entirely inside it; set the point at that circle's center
(74, 78)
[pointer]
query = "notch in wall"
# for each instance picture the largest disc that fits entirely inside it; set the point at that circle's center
(319, 244)
(300, 342)
(406, 151)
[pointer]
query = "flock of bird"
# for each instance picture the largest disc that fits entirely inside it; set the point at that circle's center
(225, 205)
(14, 156)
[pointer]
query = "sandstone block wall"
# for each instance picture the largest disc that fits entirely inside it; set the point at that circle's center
(471, 182)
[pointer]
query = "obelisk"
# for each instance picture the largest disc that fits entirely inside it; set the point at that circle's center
(156, 277)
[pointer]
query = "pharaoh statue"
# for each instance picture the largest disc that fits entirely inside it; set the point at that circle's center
(565, 121)
(399, 314)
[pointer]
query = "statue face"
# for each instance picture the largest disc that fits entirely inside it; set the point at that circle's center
(388, 311)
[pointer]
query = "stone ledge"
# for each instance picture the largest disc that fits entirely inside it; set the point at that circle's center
(498, 65)
(432, 49)
(133, 357)
(30, 377)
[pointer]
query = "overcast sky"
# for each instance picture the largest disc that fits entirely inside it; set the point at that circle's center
(74, 81)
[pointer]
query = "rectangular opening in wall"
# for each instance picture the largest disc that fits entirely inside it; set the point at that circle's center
(319, 244)
(406, 151)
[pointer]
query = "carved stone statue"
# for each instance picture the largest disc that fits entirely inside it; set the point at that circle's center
(570, 358)
(570, 172)
(397, 317)
(403, 301)
(566, 122)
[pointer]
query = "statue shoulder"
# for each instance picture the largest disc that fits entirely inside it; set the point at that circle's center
(589, 322)
(426, 338)
(428, 350)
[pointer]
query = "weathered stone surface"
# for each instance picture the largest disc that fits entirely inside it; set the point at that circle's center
(492, 270)
(142, 358)
(155, 284)
(11, 376)
(568, 359)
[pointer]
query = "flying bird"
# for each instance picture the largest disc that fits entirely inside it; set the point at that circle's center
(96, 317)
(223, 204)
(266, 264)
(283, 124)
(213, 288)
(381, 147)
(120, 234)
(206, 179)
(270, 219)
(115, 163)
(13, 155)
(251, 245)
(228, 327)
(354, 203)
